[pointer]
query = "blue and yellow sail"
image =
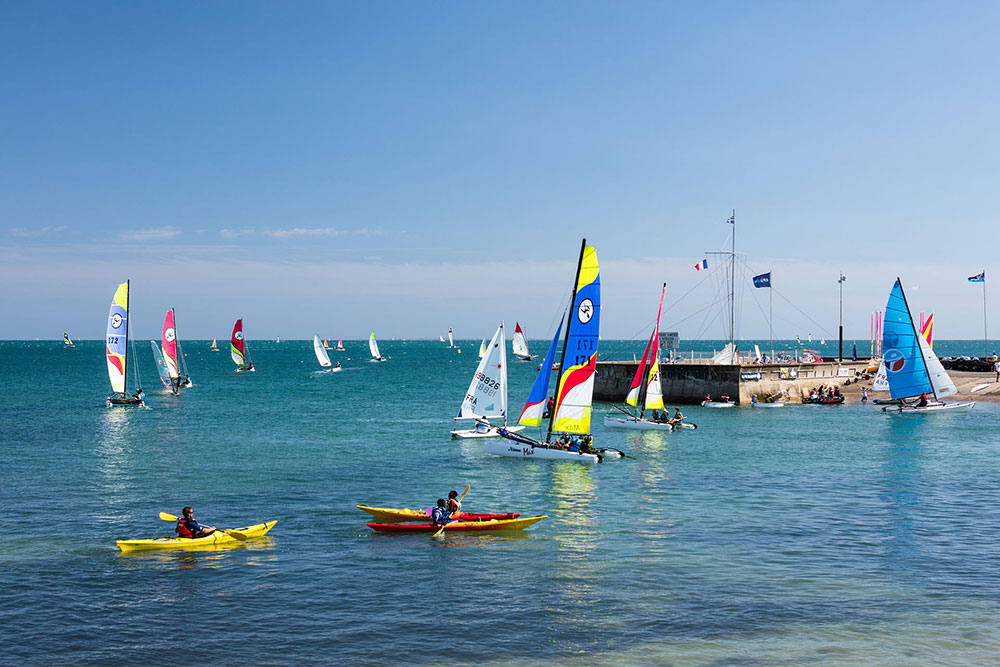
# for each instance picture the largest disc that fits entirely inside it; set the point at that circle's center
(116, 339)
(575, 389)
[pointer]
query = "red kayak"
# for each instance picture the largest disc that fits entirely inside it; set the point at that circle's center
(488, 524)
(390, 515)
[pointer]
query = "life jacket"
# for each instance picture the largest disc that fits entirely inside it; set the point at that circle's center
(440, 515)
(182, 529)
(453, 506)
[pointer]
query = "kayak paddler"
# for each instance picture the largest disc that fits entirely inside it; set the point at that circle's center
(188, 527)
(440, 514)
(454, 505)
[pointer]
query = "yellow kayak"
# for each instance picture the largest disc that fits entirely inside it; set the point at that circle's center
(215, 539)
(390, 515)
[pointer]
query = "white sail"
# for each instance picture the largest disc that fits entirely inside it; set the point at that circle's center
(373, 347)
(519, 343)
(321, 356)
(487, 394)
(726, 355)
(441, 338)
(483, 347)
(451, 343)
(943, 386)
(881, 382)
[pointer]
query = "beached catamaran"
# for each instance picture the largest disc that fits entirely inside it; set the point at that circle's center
(912, 368)
(521, 345)
(117, 349)
(575, 387)
(239, 350)
(645, 389)
(487, 395)
(373, 348)
(67, 341)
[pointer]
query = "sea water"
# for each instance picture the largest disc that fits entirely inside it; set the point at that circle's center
(820, 534)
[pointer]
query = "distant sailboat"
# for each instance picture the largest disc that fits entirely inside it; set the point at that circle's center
(215, 348)
(451, 342)
(441, 338)
(326, 346)
(645, 389)
(117, 349)
(483, 347)
(340, 344)
(173, 356)
(521, 345)
(239, 350)
(486, 397)
(573, 402)
(373, 348)
(67, 341)
(912, 368)
(321, 356)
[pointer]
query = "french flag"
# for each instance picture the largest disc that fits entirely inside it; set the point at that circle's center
(703, 264)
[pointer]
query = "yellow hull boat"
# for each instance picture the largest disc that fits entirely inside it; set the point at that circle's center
(215, 539)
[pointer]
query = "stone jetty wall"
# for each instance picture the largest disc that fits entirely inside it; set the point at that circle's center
(689, 382)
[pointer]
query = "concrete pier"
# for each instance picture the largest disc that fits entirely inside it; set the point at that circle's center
(689, 382)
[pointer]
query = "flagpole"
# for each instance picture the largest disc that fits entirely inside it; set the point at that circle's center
(770, 297)
(986, 339)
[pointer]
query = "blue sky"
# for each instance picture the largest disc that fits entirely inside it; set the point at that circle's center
(404, 167)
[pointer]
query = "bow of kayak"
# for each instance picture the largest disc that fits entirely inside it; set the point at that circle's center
(218, 538)
(390, 515)
(487, 524)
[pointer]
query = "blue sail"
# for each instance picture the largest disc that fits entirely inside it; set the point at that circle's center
(534, 408)
(905, 367)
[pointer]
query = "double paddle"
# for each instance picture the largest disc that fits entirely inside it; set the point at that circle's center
(235, 534)
(441, 529)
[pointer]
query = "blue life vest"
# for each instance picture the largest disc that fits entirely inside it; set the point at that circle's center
(440, 515)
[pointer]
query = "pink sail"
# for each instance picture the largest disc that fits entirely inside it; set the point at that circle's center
(170, 345)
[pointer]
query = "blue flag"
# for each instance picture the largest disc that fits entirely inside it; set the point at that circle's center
(981, 278)
(732, 220)
(763, 280)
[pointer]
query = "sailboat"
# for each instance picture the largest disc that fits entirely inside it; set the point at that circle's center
(487, 394)
(521, 345)
(321, 356)
(173, 355)
(340, 344)
(161, 366)
(451, 342)
(67, 341)
(117, 349)
(483, 347)
(645, 389)
(326, 346)
(239, 350)
(215, 347)
(373, 348)
(575, 388)
(441, 338)
(912, 368)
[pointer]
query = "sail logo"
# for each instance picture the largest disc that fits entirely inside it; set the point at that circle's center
(894, 360)
(116, 321)
(168, 335)
(585, 311)
(238, 335)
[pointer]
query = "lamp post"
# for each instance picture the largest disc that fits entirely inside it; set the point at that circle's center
(841, 281)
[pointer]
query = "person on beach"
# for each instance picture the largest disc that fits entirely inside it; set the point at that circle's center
(996, 367)
(440, 514)
(753, 399)
(188, 527)
(864, 395)
(454, 505)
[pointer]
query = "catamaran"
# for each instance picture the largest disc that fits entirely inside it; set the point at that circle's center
(326, 346)
(912, 368)
(215, 347)
(575, 389)
(521, 345)
(321, 356)
(239, 350)
(645, 389)
(340, 344)
(487, 395)
(67, 341)
(117, 349)
(373, 348)
(173, 355)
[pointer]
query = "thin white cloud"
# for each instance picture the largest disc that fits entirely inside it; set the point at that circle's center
(21, 232)
(299, 232)
(153, 234)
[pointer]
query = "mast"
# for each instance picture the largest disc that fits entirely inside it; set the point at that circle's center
(128, 285)
(916, 333)
(569, 322)
(986, 340)
(503, 362)
(732, 293)
(770, 318)
(653, 350)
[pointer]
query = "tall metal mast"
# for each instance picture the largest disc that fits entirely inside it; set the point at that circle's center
(569, 321)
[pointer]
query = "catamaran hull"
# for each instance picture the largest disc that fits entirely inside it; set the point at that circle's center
(493, 432)
(125, 403)
(687, 425)
(930, 409)
(717, 404)
(636, 424)
(520, 451)
(776, 404)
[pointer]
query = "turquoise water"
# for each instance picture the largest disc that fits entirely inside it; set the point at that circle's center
(805, 534)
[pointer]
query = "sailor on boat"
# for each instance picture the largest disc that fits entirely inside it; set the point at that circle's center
(483, 425)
